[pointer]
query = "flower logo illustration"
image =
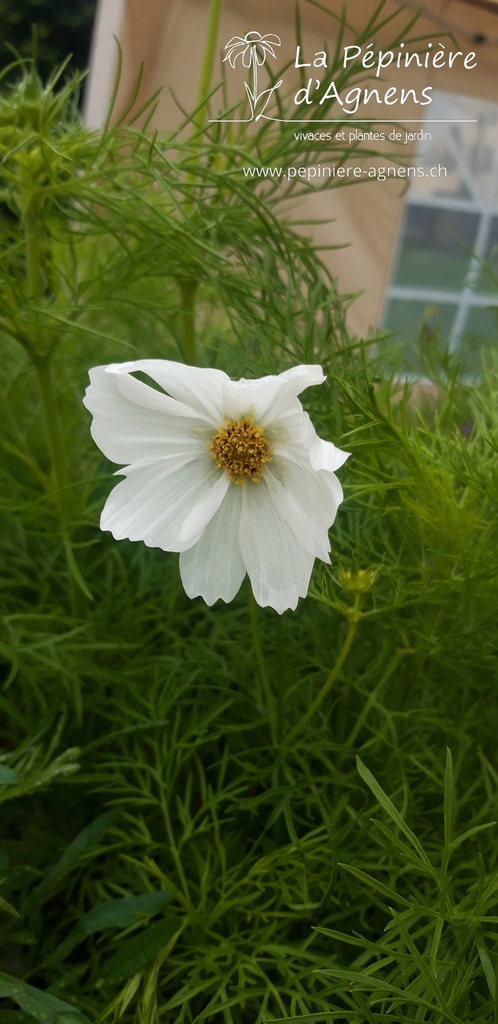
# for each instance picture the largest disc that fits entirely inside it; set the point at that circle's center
(253, 49)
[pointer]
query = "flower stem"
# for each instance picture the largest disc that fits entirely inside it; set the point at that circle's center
(175, 854)
(33, 268)
(41, 356)
(189, 341)
(354, 616)
(60, 472)
(256, 640)
(208, 60)
(53, 422)
(34, 279)
(280, 681)
(40, 351)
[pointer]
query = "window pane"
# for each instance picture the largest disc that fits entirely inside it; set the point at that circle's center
(436, 248)
(416, 324)
(467, 150)
(487, 280)
(480, 333)
(447, 254)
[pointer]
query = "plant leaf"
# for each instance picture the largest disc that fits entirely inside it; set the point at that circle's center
(119, 914)
(41, 1005)
(138, 951)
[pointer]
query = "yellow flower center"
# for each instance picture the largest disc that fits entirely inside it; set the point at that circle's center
(241, 449)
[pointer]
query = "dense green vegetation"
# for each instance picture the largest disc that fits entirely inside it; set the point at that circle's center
(60, 29)
(220, 814)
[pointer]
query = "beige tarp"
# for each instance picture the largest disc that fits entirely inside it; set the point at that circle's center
(167, 37)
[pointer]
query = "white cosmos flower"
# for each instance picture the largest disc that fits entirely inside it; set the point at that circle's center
(229, 473)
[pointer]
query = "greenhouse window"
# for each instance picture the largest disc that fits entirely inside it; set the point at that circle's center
(444, 283)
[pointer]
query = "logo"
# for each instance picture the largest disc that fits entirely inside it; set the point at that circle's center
(347, 94)
(253, 49)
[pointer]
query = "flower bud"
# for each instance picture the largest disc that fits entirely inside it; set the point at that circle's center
(357, 581)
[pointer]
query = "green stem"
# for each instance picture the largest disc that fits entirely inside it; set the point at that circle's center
(171, 841)
(53, 422)
(34, 278)
(280, 681)
(33, 258)
(208, 60)
(370, 703)
(199, 123)
(60, 473)
(256, 641)
(41, 354)
(332, 676)
(188, 291)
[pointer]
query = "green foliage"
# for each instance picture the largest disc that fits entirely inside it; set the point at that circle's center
(187, 834)
(60, 29)
(38, 1005)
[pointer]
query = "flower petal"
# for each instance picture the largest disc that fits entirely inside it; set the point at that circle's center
(213, 567)
(293, 436)
(199, 388)
(322, 454)
(334, 486)
(164, 504)
(202, 511)
(303, 500)
(279, 568)
(266, 48)
(234, 51)
(267, 397)
(133, 422)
